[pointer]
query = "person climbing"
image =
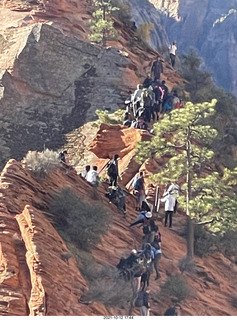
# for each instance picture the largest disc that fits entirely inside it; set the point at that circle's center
(62, 156)
(84, 173)
(166, 92)
(142, 301)
(172, 51)
(173, 311)
(148, 255)
(112, 170)
(143, 215)
(169, 208)
(133, 26)
(145, 278)
(139, 190)
(157, 69)
(147, 82)
(136, 98)
(155, 245)
(93, 176)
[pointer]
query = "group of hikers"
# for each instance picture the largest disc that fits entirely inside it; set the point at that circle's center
(140, 264)
(149, 100)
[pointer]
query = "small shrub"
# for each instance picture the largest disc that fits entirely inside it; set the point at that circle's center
(175, 286)
(41, 163)
(110, 290)
(79, 221)
(115, 118)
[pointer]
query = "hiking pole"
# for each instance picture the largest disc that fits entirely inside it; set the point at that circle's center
(104, 166)
(156, 197)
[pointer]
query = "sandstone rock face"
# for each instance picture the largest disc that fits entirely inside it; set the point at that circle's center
(210, 29)
(56, 83)
(144, 11)
(35, 279)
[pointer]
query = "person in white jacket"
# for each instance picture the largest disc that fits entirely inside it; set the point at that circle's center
(172, 51)
(169, 208)
(93, 176)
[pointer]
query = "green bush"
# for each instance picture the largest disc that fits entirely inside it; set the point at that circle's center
(78, 221)
(105, 117)
(176, 287)
(41, 163)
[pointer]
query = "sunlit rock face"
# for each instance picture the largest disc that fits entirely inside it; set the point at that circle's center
(209, 28)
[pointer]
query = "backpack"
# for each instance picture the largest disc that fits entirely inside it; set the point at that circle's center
(146, 229)
(139, 299)
(138, 184)
(111, 169)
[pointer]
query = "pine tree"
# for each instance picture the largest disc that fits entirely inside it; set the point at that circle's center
(182, 137)
(102, 23)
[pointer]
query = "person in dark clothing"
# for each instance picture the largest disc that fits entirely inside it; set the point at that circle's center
(147, 82)
(127, 120)
(139, 189)
(173, 311)
(157, 69)
(145, 278)
(144, 309)
(133, 26)
(157, 255)
(62, 156)
(112, 170)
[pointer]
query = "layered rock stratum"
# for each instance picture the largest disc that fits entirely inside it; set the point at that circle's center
(36, 279)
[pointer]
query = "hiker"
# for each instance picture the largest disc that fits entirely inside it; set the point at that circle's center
(145, 278)
(173, 188)
(146, 103)
(157, 69)
(165, 95)
(148, 255)
(127, 120)
(62, 156)
(117, 196)
(172, 51)
(133, 26)
(136, 98)
(169, 208)
(173, 311)
(84, 173)
(143, 215)
(142, 301)
(155, 245)
(139, 190)
(93, 176)
(148, 230)
(147, 82)
(112, 170)
(128, 102)
(176, 101)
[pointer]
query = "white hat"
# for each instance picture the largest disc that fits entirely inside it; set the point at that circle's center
(134, 251)
(148, 214)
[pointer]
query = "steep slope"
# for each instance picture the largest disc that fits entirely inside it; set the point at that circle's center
(34, 277)
(53, 80)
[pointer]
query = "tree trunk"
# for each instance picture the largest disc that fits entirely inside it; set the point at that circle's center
(190, 224)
